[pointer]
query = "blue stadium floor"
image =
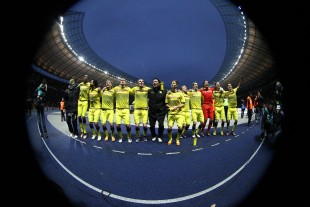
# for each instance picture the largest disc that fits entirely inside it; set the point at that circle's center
(221, 170)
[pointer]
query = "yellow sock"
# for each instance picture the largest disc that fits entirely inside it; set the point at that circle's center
(81, 127)
(84, 128)
(170, 135)
(234, 127)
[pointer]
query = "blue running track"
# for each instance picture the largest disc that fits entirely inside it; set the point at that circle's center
(221, 170)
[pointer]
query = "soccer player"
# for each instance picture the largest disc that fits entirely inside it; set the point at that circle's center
(186, 112)
(140, 108)
(207, 107)
(218, 97)
(83, 88)
(157, 108)
(232, 111)
(94, 109)
(196, 100)
(122, 93)
(107, 110)
(225, 104)
(175, 101)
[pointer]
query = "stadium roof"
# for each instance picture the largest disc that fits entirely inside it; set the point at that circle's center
(247, 53)
(64, 50)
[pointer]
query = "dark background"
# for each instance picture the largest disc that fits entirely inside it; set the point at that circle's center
(285, 29)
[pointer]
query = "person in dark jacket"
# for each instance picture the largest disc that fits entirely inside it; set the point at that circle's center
(268, 124)
(157, 109)
(40, 93)
(70, 108)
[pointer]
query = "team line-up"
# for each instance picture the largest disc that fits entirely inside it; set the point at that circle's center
(110, 106)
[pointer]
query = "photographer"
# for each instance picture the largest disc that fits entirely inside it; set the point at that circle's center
(40, 104)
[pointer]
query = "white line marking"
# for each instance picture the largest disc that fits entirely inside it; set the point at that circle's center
(80, 141)
(76, 139)
(97, 147)
(227, 140)
(118, 151)
(197, 149)
(172, 153)
(141, 153)
(215, 144)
